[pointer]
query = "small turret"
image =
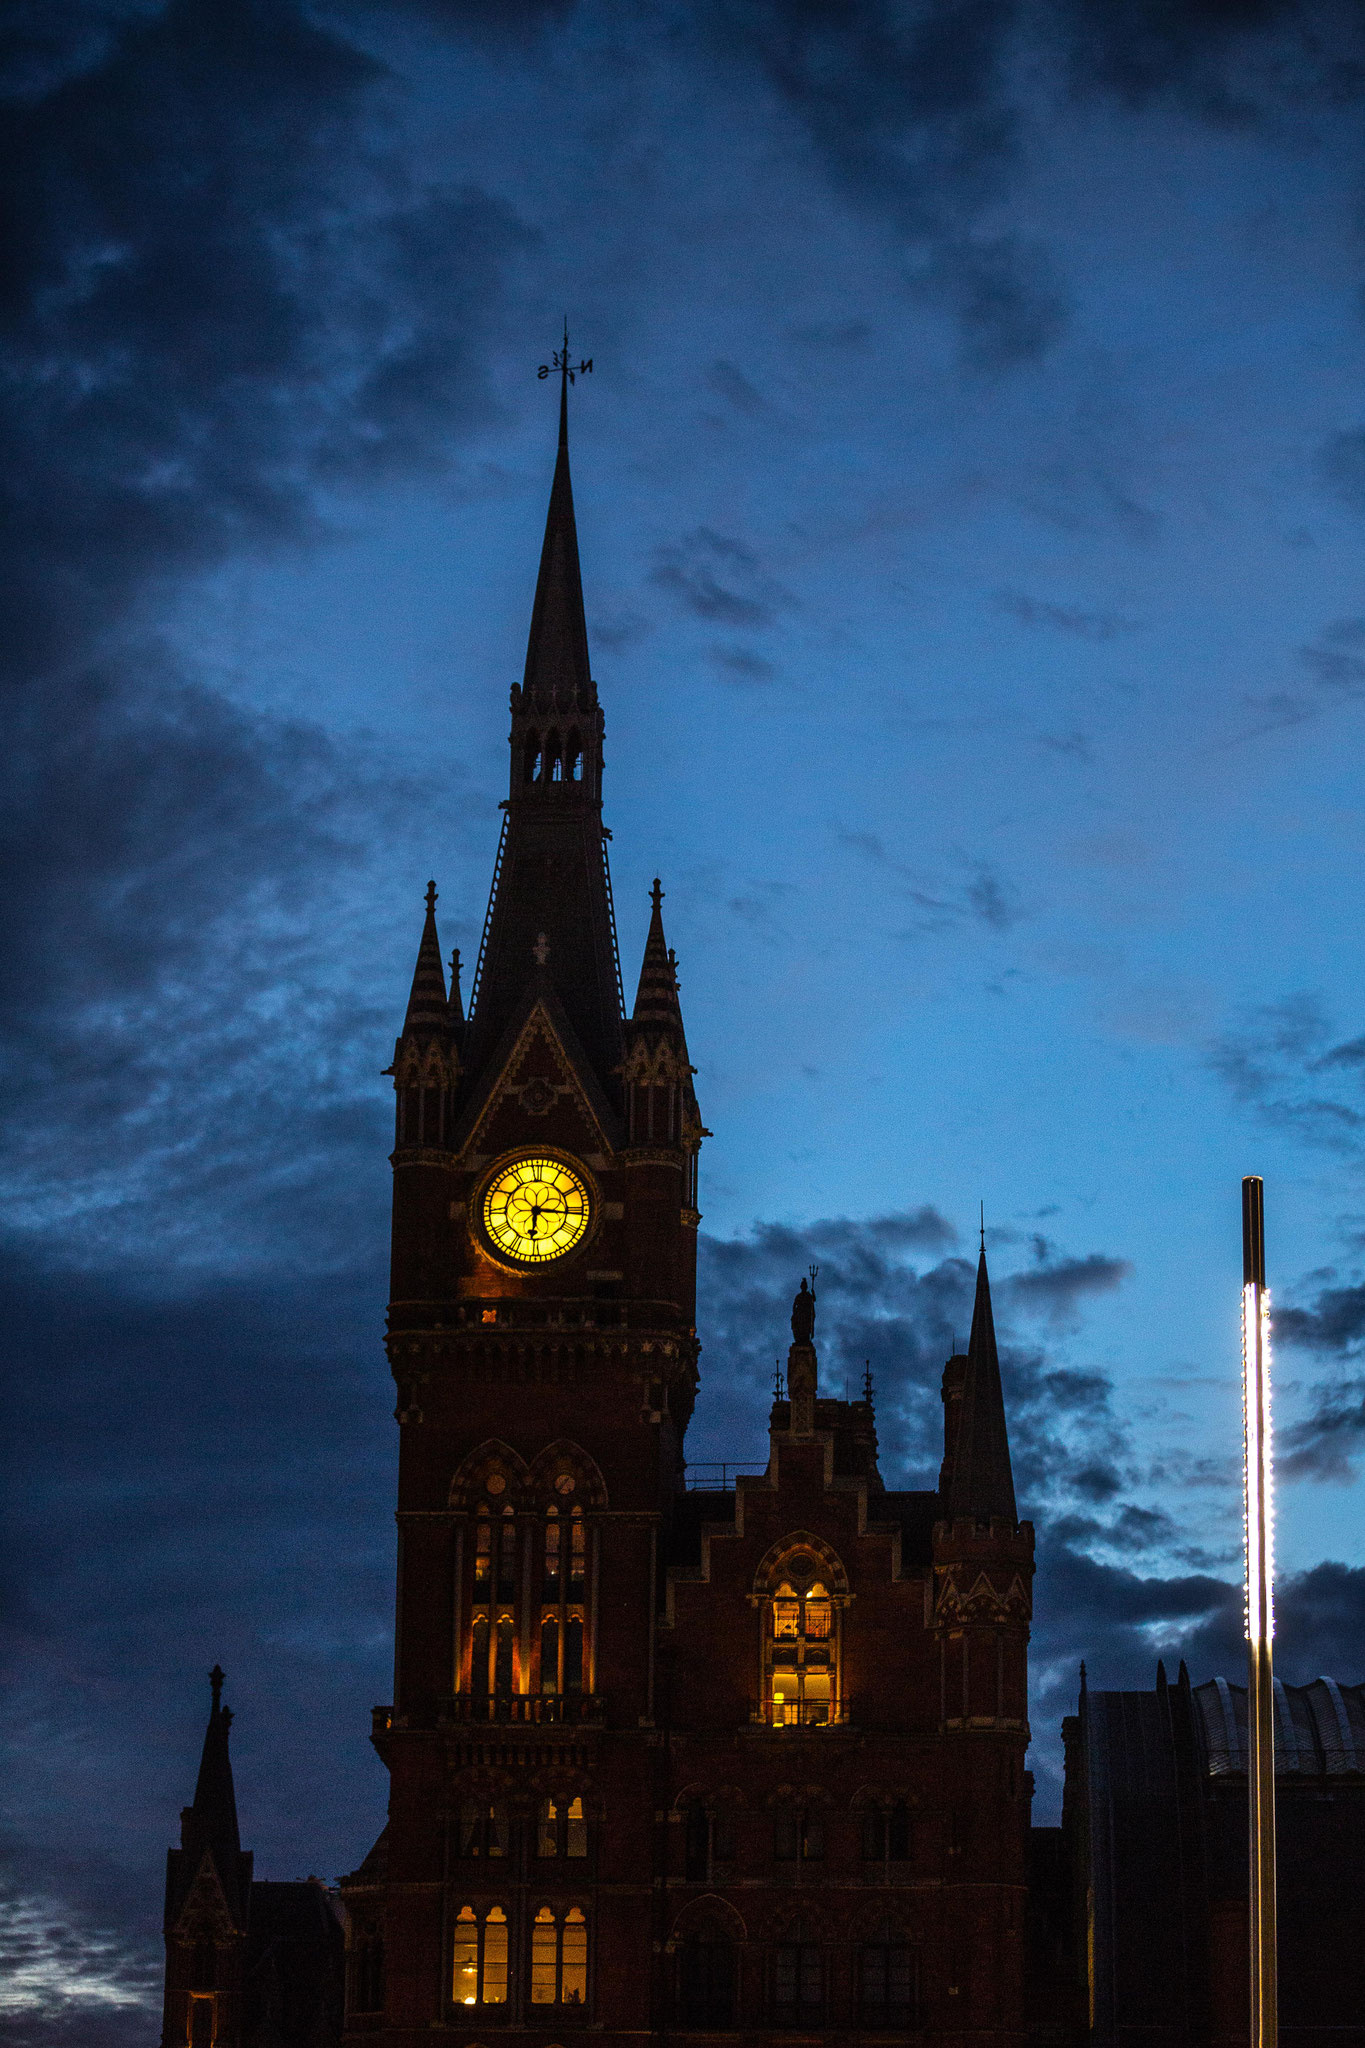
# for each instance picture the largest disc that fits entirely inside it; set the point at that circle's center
(426, 1063)
(208, 1897)
(661, 1107)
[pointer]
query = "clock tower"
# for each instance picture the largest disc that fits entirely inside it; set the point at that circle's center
(668, 1754)
(542, 1338)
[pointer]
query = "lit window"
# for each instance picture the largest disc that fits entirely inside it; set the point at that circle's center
(479, 1957)
(800, 1675)
(562, 1636)
(559, 1958)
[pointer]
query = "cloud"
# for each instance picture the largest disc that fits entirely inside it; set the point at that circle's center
(729, 382)
(988, 896)
(993, 900)
(719, 579)
(1277, 1062)
(740, 665)
(225, 308)
(1341, 467)
(1082, 625)
(1055, 1286)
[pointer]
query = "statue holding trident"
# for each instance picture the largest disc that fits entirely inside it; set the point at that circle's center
(803, 1313)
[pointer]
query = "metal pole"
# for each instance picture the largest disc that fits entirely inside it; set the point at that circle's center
(1260, 1616)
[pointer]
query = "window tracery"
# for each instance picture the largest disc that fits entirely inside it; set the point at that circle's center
(479, 1956)
(888, 1979)
(562, 1827)
(800, 1648)
(798, 1980)
(484, 1826)
(559, 1957)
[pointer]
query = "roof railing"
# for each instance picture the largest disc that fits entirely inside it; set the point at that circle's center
(720, 1476)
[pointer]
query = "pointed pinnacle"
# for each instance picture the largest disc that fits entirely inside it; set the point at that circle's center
(216, 1677)
(426, 1012)
(656, 999)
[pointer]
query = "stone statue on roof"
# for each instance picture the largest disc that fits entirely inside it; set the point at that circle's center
(803, 1316)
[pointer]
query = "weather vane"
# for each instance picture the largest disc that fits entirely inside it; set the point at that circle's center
(560, 361)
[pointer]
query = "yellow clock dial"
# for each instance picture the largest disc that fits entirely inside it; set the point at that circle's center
(535, 1210)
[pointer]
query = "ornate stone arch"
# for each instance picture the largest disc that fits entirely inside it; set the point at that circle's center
(710, 1910)
(827, 1558)
(492, 1470)
(565, 1460)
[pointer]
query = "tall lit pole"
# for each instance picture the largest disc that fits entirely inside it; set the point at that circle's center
(1260, 1614)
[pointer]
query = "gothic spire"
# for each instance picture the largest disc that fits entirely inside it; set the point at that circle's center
(427, 1012)
(551, 894)
(214, 1812)
(455, 1007)
(981, 1483)
(208, 1828)
(558, 676)
(656, 999)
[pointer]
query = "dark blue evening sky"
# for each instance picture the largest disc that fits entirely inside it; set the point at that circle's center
(971, 493)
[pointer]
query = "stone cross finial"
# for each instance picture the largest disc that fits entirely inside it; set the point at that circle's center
(216, 1677)
(431, 895)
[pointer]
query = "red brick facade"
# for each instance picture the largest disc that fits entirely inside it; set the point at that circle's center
(663, 1762)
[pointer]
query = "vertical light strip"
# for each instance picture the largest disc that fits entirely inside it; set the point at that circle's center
(1260, 1618)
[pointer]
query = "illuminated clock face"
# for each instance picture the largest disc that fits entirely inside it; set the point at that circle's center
(535, 1210)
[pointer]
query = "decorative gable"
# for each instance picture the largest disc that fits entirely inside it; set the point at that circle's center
(541, 1079)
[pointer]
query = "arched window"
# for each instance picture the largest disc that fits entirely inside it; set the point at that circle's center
(365, 1985)
(801, 1678)
(561, 1828)
(484, 1827)
(574, 757)
(554, 767)
(531, 757)
(559, 1957)
(697, 1843)
(884, 1832)
(507, 1558)
(479, 1957)
(706, 1979)
(563, 1586)
(203, 2020)
(888, 1980)
(798, 1985)
(798, 1834)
